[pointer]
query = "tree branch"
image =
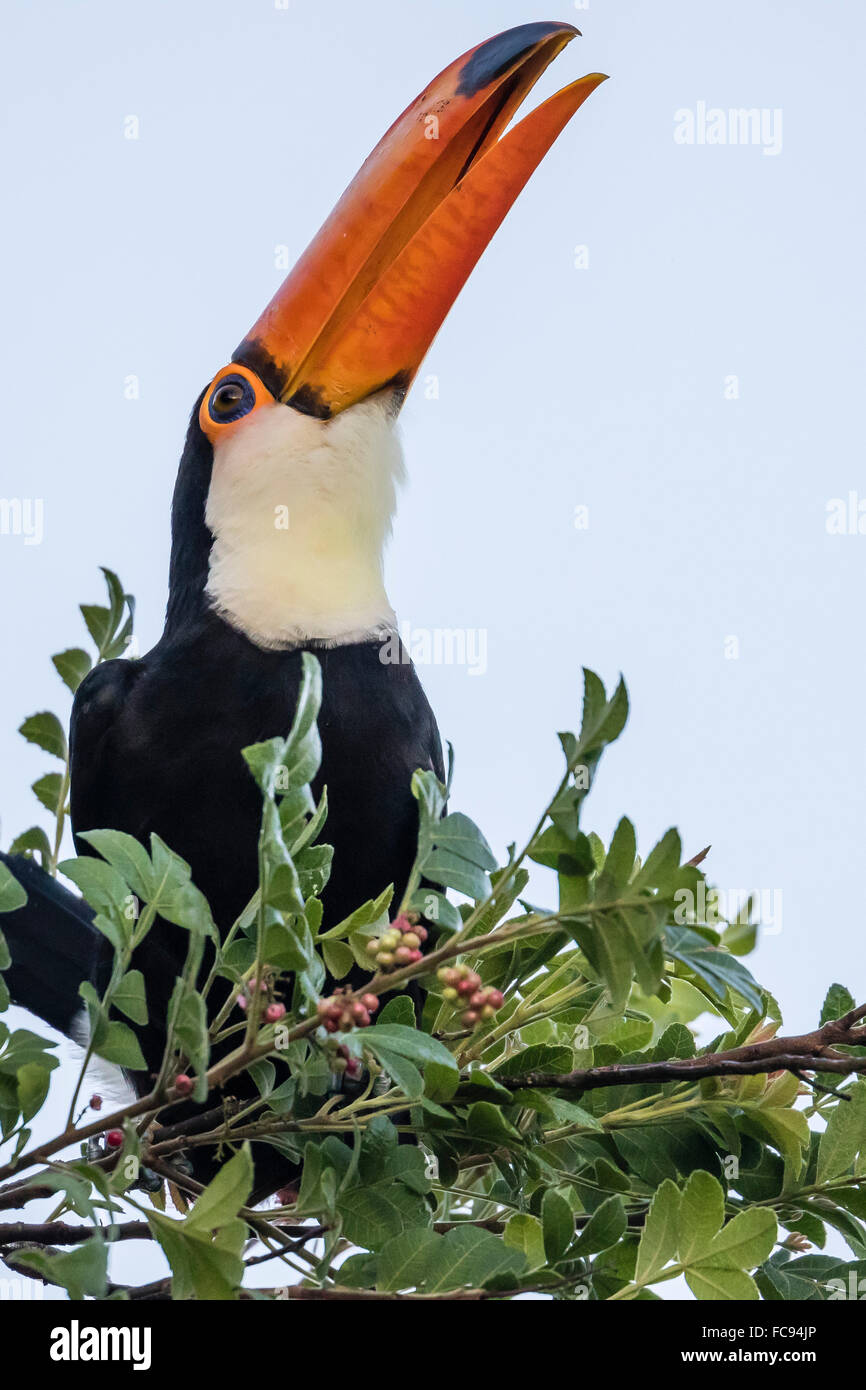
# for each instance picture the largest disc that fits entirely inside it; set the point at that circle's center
(815, 1051)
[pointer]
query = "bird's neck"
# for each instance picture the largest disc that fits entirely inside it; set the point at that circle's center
(300, 512)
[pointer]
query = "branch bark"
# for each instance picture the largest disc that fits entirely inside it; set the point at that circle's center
(808, 1052)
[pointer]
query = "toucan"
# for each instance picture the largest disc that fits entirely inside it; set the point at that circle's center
(281, 511)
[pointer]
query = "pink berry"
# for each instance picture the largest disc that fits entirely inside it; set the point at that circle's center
(183, 1084)
(370, 1002)
(242, 1001)
(415, 956)
(96, 1102)
(274, 1012)
(496, 998)
(403, 955)
(470, 1018)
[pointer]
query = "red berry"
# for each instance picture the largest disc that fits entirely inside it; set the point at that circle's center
(96, 1102)
(479, 998)
(114, 1138)
(465, 987)
(353, 1066)
(183, 1084)
(415, 956)
(274, 1012)
(496, 998)
(331, 1025)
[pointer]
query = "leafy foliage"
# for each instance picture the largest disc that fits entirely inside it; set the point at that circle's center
(427, 1156)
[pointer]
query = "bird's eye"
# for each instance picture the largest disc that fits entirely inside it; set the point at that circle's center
(233, 398)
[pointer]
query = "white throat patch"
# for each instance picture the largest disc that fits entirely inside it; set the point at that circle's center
(300, 510)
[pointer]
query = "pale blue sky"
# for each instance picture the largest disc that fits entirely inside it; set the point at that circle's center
(558, 387)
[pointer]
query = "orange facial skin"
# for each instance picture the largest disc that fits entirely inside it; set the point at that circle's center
(213, 426)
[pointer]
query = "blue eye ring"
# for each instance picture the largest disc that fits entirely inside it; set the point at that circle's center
(231, 399)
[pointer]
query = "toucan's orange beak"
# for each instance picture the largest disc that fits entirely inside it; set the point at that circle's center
(362, 306)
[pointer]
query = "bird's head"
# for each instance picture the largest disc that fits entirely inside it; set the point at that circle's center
(292, 456)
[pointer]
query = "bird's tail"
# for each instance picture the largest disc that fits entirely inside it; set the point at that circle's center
(54, 947)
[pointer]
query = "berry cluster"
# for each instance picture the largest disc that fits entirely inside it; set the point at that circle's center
(464, 986)
(340, 1015)
(272, 1012)
(400, 944)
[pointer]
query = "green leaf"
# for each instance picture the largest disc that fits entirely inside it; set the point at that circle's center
(409, 1042)
(524, 1233)
(72, 666)
(701, 1214)
(338, 958)
(486, 1121)
(33, 1082)
(402, 1072)
(716, 968)
(462, 837)
(46, 731)
(48, 790)
(225, 1195)
(470, 1257)
(618, 863)
(658, 1243)
(844, 1136)
(404, 1260)
(721, 1284)
(742, 1244)
(452, 871)
(125, 854)
(30, 842)
(129, 997)
(12, 895)
(120, 1045)
(604, 1228)
(82, 1271)
(102, 886)
(838, 1002)
(374, 1213)
(557, 1220)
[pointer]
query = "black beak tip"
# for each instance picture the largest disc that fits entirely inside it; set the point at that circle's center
(499, 54)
